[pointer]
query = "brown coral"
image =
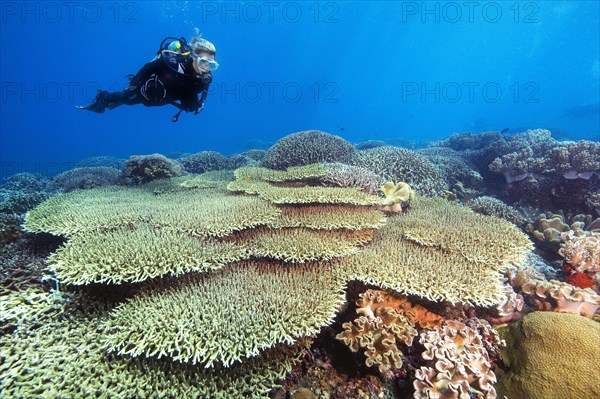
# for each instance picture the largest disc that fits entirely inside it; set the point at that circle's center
(582, 254)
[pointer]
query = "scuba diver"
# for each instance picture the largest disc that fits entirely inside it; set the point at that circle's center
(177, 75)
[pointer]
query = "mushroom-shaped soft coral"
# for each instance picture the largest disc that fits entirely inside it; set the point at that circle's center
(397, 196)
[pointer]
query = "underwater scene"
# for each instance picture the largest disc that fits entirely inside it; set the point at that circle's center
(300, 199)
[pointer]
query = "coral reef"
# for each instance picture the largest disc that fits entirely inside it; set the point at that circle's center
(457, 363)
(399, 164)
(453, 167)
(341, 175)
(492, 206)
(28, 182)
(205, 161)
(551, 229)
(551, 355)
(85, 178)
(20, 201)
(139, 169)
(10, 227)
(304, 148)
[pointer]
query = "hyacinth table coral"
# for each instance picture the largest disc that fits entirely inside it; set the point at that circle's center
(229, 271)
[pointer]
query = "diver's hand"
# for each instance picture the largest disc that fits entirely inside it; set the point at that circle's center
(206, 78)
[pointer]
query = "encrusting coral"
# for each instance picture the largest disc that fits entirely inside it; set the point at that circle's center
(551, 355)
(457, 362)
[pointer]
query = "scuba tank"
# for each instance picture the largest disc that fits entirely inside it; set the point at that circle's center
(175, 52)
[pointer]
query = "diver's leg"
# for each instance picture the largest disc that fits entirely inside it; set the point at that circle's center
(108, 100)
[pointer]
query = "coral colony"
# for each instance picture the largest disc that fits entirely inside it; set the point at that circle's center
(315, 269)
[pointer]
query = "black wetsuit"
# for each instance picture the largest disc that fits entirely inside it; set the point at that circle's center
(158, 83)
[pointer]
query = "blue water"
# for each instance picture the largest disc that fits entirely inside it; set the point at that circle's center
(413, 71)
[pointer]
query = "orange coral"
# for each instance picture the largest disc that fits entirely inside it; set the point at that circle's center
(371, 301)
(581, 280)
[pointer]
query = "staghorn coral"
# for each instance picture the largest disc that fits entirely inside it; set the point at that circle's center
(397, 197)
(304, 148)
(226, 316)
(341, 175)
(561, 297)
(379, 337)
(457, 362)
(441, 251)
(305, 194)
(399, 164)
(139, 169)
(551, 355)
(212, 179)
(84, 178)
(66, 359)
(492, 206)
(304, 172)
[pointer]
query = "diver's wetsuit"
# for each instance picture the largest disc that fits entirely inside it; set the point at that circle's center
(158, 84)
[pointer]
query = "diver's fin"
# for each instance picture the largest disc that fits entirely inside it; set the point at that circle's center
(98, 105)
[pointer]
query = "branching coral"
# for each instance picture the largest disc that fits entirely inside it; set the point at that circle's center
(342, 175)
(399, 164)
(139, 169)
(494, 207)
(304, 148)
(457, 362)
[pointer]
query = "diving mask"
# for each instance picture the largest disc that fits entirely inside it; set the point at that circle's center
(206, 63)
